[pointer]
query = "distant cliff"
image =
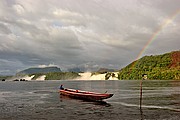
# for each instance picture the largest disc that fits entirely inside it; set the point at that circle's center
(39, 70)
(75, 69)
(158, 67)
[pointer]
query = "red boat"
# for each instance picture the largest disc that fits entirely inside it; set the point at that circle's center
(93, 96)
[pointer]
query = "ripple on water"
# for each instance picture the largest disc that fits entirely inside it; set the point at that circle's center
(40, 100)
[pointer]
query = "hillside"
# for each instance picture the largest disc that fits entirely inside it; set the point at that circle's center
(39, 70)
(56, 75)
(158, 67)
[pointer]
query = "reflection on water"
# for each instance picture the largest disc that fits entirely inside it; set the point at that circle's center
(101, 103)
(41, 100)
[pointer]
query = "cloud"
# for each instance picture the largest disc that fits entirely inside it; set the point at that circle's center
(70, 33)
(4, 29)
(50, 65)
(18, 8)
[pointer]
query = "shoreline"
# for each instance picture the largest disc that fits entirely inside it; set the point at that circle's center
(83, 76)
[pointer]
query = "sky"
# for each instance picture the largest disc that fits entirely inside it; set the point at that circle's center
(85, 33)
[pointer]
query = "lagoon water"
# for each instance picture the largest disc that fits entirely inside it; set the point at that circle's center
(40, 100)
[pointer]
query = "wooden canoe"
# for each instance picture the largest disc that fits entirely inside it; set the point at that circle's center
(86, 95)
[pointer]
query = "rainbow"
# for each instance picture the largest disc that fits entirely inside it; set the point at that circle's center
(157, 32)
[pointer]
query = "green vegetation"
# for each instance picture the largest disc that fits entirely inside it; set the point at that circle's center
(4, 77)
(39, 70)
(57, 75)
(61, 75)
(108, 75)
(159, 67)
(36, 75)
(51, 73)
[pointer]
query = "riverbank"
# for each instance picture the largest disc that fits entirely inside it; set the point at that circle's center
(79, 76)
(26, 78)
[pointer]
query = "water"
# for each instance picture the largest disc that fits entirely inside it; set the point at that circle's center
(40, 100)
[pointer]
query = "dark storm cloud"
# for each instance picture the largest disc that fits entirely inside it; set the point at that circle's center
(92, 33)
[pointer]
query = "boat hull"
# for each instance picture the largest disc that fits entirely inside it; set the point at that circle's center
(85, 95)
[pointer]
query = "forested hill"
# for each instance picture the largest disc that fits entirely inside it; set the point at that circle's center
(39, 70)
(158, 67)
